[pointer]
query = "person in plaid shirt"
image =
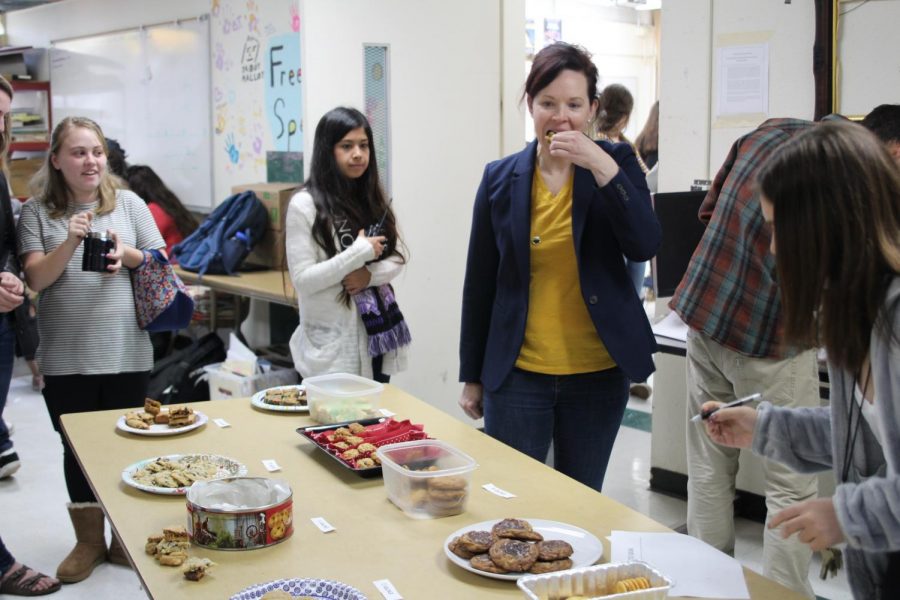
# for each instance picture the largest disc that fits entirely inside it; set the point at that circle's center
(729, 299)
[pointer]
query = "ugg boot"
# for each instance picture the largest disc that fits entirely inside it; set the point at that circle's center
(117, 554)
(90, 549)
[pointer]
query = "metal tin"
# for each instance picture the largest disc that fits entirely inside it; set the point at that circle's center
(259, 526)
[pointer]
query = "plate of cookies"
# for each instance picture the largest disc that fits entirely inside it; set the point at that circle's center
(156, 420)
(174, 474)
(511, 548)
(284, 398)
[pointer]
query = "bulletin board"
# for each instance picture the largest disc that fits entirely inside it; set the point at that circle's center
(148, 88)
(256, 89)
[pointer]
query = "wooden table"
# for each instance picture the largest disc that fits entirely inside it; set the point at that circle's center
(373, 539)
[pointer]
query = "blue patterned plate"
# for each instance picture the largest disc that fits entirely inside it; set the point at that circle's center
(318, 589)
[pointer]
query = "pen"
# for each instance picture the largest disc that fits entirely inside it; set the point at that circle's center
(739, 402)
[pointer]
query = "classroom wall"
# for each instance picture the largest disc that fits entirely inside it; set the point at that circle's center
(692, 143)
(445, 97)
(60, 20)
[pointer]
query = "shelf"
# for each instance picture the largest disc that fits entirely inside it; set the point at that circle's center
(29, 146)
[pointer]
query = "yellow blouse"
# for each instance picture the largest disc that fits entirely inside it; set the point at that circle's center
(560, 338)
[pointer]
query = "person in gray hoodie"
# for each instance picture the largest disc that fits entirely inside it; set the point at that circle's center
(831, 198)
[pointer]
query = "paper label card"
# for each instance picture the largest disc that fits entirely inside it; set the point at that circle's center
(271, 465)
(490, 487)
(387, 589)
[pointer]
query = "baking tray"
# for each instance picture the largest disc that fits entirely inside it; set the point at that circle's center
(309, 432)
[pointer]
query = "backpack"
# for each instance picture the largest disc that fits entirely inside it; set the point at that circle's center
(179, 377)
(225, 238)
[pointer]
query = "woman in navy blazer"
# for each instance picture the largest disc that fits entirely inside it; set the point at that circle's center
(609, 208)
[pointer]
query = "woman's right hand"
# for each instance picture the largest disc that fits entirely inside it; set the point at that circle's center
(378, 241)
(471, 400)
(79, 226)
(731, 426)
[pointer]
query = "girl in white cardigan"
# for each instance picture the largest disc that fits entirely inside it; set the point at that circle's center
(343, 250)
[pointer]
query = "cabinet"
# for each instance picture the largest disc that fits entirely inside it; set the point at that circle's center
(31, 123)
(31, 116)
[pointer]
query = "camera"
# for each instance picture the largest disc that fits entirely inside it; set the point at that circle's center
(373, 230)
(96, 247)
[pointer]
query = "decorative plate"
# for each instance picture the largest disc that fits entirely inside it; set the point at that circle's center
(320, 589)
(159, 429)
(588, 548)
(258, 400)
(224, 467)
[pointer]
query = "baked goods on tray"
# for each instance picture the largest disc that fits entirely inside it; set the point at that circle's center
(354, 444)
(156, 413)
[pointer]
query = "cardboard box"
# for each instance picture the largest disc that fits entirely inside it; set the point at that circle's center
(225, 384)
(269, 252)
(275, 197)
(20, 173)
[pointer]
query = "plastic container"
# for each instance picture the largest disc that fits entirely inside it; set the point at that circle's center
(426, 478)
(342, 397)
(596, 581)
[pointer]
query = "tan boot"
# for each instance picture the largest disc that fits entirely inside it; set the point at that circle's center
(117, 554)
(90, 549)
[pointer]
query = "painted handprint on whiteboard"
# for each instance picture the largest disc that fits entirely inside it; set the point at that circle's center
(234, 155)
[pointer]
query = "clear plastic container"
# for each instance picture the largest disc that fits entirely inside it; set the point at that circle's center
(426, 478)
(596, 581)
(341, 397)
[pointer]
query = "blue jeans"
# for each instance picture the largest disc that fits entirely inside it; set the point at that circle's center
(637, 272)
(579, 413)
(6, 559)
(7, 356)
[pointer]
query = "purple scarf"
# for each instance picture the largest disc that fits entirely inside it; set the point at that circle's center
(383, 320)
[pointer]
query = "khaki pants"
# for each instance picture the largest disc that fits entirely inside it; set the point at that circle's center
(717, 373)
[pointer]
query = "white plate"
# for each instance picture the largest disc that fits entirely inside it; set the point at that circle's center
(163, 429)
(321, 589)
(228, 467)
(257, 400)
(588, 548)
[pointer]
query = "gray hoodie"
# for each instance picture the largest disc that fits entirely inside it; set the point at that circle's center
(814, 439)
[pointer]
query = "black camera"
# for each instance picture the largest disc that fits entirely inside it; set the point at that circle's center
(373, 230)
(96, 247)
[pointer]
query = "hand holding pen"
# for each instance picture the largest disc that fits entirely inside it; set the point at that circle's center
(706, 412)
(733, 427)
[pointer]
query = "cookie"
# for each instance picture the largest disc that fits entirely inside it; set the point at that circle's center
(447, 483)
(517, 529)
(456, 549)
(477, 542)
(513, 555)
(554, 550)
(446, 496)
(549, 566)
(356, 428)
(365, 463)
(483, 562)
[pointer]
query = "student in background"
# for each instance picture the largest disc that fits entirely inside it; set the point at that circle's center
(614, 111)
(91, 351)
(647, 142)
(11, 288)
(175, 222)
(116, 160)
(831, 194)
(551, 327)
(349, 319)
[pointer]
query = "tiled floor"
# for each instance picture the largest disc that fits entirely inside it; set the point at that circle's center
(34, 524)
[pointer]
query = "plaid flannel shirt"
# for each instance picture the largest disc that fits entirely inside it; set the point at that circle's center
(729, 291)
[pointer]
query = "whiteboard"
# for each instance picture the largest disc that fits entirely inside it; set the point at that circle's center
(148, 88)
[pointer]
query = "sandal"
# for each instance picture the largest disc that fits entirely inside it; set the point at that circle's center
(19, 585)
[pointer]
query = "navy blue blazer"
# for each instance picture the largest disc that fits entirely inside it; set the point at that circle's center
(607, 223)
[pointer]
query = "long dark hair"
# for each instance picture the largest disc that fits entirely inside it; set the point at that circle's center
(144, 182)
(834, 191)
(615, 103)
(361, 201)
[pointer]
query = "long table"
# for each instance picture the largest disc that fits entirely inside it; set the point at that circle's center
(268, 285)
(373, 539)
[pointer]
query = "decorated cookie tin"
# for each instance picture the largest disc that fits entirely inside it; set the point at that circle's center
(240, 513)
